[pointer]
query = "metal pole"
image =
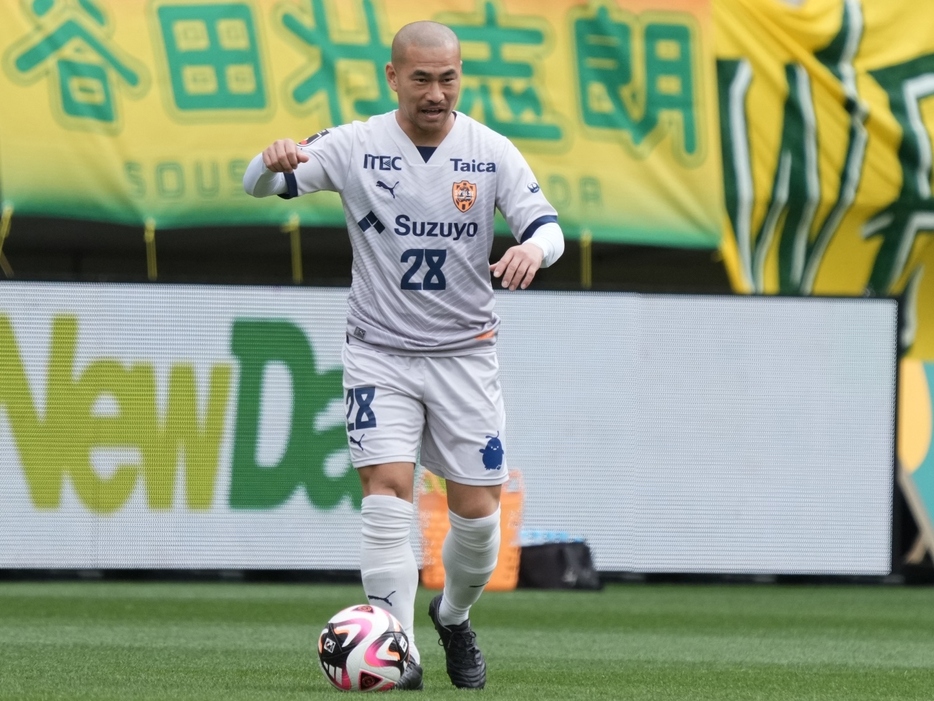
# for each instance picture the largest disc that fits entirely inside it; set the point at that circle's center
(149, 236)
(586, 249)
(293, 229)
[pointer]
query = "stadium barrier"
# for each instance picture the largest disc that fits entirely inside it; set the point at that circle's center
(199, 427)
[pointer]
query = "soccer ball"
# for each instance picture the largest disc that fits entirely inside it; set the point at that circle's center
(363, 648)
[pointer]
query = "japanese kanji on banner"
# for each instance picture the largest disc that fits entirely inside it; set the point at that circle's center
(826, 116)
(149, 110)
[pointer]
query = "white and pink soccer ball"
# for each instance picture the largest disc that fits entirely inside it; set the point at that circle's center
(363, 648)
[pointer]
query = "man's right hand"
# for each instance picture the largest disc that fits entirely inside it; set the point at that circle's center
(283, 156)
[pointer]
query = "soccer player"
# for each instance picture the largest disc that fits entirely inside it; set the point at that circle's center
(419, 187)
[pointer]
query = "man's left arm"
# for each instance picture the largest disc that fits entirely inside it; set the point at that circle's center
(531, 218)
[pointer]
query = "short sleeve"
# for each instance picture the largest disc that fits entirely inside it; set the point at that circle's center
(519, 197)
(330, 152)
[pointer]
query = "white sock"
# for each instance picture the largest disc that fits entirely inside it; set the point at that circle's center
(387, 561)
(469, 554)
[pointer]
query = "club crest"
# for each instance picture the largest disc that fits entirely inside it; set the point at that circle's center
(464, 194)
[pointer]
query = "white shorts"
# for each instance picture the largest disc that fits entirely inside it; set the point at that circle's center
(449, 407)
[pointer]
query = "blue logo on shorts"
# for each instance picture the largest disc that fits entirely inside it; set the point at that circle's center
(493, 453)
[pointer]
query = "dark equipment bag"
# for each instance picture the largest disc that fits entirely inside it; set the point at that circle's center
(558, 566)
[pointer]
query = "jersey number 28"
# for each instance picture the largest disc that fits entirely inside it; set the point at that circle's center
(433, 278)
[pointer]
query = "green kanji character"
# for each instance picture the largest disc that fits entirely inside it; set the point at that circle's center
(911, 216)
(70, 42)
(213, 57)
(503, 93)
(612, 97)
(332, 55)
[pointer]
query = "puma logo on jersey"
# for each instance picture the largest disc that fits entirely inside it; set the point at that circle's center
(380, 183)
(358, 443)
(462, 165)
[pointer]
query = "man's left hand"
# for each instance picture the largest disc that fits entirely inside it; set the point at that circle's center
(518, 265)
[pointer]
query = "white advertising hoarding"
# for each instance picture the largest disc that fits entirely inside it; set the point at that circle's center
(202, 427)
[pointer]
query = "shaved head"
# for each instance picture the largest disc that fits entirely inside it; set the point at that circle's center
(424, 35)
(425, 73)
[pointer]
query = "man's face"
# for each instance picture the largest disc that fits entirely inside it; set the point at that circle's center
(428, 83)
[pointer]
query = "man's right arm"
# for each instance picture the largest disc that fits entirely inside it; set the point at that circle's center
(265, 175)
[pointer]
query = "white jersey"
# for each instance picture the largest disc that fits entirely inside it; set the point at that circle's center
(422, 232)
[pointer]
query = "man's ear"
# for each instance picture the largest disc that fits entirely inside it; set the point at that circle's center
(391, 77)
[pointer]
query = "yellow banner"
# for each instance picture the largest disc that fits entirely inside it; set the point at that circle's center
(137, 110)
(827, 156)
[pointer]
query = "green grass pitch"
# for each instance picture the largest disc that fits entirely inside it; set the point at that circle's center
(228, 641)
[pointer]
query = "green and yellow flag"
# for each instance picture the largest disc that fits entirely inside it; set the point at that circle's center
(150, 109)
